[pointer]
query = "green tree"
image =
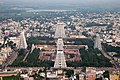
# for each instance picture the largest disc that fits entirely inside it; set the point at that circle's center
(69, 73)
(106, 74)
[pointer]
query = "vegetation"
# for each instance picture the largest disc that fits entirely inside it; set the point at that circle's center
(90, 24)
(37, 77)
(32, 60)
(41, 40)
(91, 58)
(20, 58)
(69, 73)
(99, 78)
(106, 74)
(12, 78)
(33, 56)
(73, 64)
(81, 41)
(110, 48)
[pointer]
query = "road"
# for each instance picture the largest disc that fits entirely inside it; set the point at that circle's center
(111, 58)
(28, 52)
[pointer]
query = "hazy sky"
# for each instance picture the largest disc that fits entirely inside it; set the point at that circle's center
(79, 2)
(67, 1)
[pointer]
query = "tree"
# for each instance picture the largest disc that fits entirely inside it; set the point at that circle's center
(99, 78)
(37, 77)
(3, 30)
(106, 74)
(69, 73)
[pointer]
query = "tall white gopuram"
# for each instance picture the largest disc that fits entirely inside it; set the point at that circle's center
(60, 61)
(23, 43)
(97, 43)
(60, 31)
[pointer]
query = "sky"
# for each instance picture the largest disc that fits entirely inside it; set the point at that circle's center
(77, 2)
(66, 1)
